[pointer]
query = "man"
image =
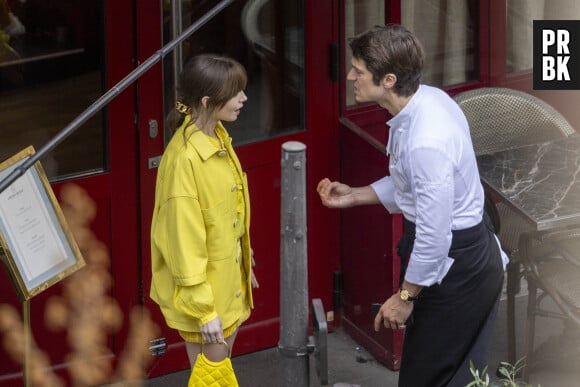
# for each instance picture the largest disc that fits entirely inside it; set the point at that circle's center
(455, 271)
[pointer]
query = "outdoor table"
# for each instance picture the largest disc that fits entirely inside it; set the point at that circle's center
(541, 182)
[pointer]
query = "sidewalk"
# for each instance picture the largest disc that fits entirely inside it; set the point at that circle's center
(560, 357)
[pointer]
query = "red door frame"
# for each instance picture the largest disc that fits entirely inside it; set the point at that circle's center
(262, 163)
(124, 194)
(124, 226)
(375, 258)
(115, 195)
(150, 106)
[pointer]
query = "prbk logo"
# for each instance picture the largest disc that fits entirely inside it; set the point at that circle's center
(556, 54)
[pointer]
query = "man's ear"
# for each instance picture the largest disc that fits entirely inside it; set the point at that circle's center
(389, 81)
(204, 101)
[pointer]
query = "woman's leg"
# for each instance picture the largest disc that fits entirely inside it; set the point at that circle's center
(214, 352)
(193, 349)
(231, 339)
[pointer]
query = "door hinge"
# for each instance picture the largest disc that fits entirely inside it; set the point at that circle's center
(153, 162)
(158, 346)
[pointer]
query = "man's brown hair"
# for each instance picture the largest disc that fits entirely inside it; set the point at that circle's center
(391, 49)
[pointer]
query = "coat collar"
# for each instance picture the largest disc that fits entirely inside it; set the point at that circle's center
(201, 143)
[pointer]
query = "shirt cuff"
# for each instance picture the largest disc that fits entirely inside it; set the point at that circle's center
(207, 318)
(196, 301)
(427, 273)
(385, 190)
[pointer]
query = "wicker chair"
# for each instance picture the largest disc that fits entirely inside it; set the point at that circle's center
(552, 266)
(501, 119)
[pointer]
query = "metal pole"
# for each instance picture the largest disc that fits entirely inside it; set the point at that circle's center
(294, 267)
(27, 342)
(110, 95)
(176, 28)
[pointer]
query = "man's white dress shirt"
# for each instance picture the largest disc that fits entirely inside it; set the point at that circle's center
(433, 182)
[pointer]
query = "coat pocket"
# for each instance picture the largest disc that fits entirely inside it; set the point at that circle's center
(220, 238)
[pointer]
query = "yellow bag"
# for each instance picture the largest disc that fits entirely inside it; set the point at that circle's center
(207, 373)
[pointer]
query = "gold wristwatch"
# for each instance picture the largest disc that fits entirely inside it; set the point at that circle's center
(405, 296)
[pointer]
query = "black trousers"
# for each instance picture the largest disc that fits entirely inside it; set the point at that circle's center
(452, 321)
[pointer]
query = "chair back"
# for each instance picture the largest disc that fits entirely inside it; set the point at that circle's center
(502, 118)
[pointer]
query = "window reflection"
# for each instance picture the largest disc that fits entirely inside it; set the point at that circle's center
(267, 37)
(50, 71)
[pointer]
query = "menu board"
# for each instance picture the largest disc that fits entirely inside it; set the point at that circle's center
(39, 249)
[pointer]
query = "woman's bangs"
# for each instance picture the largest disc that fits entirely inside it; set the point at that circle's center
(234, 82)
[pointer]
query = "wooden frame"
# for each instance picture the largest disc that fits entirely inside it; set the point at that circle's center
(38, 247)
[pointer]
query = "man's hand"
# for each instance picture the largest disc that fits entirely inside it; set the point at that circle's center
(335, 194)
(394, 313)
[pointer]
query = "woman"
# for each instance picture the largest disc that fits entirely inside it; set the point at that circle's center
(202, 275)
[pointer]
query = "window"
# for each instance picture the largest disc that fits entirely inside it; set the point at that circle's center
(519, 31)
(447, 29)
(51, 70)
(468, 43)
(267, 37)
(359, 16)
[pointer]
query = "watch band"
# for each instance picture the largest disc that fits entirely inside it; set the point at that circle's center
(405, 296)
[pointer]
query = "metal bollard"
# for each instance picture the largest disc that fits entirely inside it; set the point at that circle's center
(293, 344)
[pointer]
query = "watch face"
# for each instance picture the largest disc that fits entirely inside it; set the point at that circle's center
(404, 294)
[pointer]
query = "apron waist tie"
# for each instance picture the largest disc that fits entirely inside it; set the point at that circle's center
(460, 239)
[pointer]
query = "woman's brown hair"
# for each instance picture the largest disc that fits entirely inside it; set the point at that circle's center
(218, 77)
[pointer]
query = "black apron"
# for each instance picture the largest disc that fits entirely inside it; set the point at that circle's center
(452, 322)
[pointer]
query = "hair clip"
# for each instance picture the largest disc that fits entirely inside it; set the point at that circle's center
(182, 108)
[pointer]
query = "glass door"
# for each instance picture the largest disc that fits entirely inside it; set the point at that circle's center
(268, 38)
(450, 32)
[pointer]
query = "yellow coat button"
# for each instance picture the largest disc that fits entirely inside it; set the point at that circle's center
(238, 293)
(234, 187)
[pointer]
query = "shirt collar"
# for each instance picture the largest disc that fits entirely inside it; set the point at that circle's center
(401, 121)
(407, 112)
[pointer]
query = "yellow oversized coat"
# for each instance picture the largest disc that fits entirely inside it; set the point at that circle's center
(196, 275)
